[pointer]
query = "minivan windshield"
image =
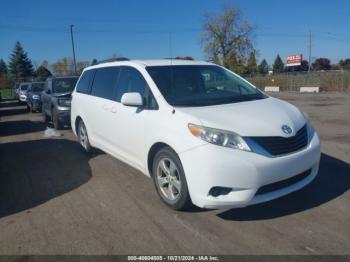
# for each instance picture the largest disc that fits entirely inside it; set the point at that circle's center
(201, 85)
(64, 85)
(23, 87)
(37, 87)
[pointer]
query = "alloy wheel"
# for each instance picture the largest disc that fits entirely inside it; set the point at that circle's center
(168, 179)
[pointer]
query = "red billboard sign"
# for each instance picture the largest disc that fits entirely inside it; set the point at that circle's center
(294, 60)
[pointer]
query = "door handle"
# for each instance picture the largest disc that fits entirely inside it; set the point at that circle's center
(114, 110)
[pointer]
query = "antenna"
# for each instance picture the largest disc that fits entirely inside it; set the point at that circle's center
(171, 47)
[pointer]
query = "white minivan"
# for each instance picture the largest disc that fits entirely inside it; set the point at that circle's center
(205, 135)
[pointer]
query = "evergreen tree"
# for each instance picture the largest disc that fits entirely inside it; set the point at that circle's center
(252, 67)
(20, 66)
(42, 73)
(94, 61)
(263, 67)
(3, 68)
(278, 66)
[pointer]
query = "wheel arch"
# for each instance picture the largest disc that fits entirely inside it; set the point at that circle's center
(153, 151)
(76, 122)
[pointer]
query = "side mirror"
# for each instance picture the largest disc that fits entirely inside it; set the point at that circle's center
(132, 99)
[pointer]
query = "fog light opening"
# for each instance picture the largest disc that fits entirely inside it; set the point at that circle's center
(218, 191)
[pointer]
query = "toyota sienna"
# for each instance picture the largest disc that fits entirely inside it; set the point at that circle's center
(205, 135)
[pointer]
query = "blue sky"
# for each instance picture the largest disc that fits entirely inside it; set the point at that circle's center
(139, 29)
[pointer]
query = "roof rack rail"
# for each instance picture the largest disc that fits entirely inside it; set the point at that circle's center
(114, 60)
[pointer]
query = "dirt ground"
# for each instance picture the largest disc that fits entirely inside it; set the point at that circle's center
(55, 199)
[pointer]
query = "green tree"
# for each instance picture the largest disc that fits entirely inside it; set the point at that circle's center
(20, 66)
(278, 65)
(263, 67)
(252, 67)
(321, 64)
(345, 64)
(227, 37)
(3, 68)
(42, 73)
(94, 61)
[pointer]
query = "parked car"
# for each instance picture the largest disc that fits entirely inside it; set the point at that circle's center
(34, 96)
(22, 92)
(204, 134)
(56, 100)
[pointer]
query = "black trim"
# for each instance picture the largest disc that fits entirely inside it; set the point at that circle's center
(284, 183)
(283, 145)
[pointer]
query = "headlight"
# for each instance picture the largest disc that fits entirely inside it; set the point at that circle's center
(35, 97)
(310, 128)
(219, 137)
(64, 102)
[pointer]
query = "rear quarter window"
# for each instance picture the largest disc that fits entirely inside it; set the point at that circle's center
(105, 82)
(85, 82)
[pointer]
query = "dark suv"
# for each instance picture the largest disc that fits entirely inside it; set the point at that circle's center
(56, 100)
(34, 96)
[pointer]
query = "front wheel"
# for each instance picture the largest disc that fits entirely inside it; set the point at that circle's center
(169, 179)
(83, 136)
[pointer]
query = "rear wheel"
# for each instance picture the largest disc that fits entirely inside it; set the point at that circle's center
(169, 179)
(83, 136)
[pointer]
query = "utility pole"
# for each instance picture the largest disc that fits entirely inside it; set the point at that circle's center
(310, 49)
(75, 62)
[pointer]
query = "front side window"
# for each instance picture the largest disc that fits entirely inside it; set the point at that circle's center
(64, 85)
(104, 82)
(201, 85)
(85, 82)
(130, 80)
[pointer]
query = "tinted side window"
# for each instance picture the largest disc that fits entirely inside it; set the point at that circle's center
(104, 82)
(130, 80)
(85, 82)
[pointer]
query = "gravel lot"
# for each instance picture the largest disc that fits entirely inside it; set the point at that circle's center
(54, 199)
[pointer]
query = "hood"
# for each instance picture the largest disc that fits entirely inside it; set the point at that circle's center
(263, 117)
(63, 95)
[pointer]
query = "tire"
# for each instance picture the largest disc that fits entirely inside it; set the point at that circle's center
(83, 137)
(170, 180)
(56, 122)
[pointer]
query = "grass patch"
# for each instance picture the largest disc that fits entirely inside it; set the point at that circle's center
(7, 93)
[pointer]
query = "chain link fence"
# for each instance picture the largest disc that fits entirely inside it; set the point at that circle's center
(336, 80)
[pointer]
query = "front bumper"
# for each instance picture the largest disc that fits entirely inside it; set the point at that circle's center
(211, 166)
(22, 98)
(36, 105)
(63, 114)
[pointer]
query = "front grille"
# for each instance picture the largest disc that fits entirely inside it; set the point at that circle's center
(282, 184)
(276, 145)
